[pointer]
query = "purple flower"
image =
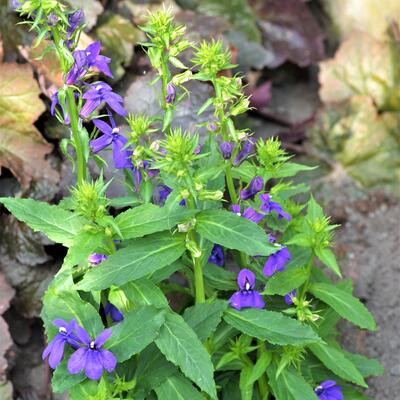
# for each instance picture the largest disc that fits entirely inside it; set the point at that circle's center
(246, 297)
(163, 192)
(256, 185)
(56, 102)
(268, 206)
(99, 93)
(247, 148)
(289, 297)
(217, 256)
(276, 262)
(121, 155)
(85, 59)
(52, 19)
(96, 258)
(113, 312)
(328, 390)
(16, 4)
(56, 347)
(92, 357)
(171, 93)
(226, 149)
(74, 20)
(197, 150)
(251, 214)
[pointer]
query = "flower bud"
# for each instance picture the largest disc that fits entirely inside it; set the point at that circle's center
(193, 248)
(226, 149)
(171, 93)
(211, 195)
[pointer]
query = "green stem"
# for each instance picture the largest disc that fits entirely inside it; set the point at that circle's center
(74, 117)
(198, 281)
(306, 284)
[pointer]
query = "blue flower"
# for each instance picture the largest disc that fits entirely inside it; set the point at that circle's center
(256, 185)
(247, 148)
(99, 93)
(277, 261)
(121, 155)
(92, 358)
(226, 149)
(55, 349)
(113, 312)
(96, 258)
(289, 297)
(268, 206)
(249, 213)
(171, 93)
(328, 390)
(246, 297)
(217, 256)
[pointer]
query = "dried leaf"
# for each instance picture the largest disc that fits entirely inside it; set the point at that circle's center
(289, 32)
(362, 66)
(22, 148)
(370, 16)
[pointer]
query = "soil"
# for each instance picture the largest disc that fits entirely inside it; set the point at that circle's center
(369, 246)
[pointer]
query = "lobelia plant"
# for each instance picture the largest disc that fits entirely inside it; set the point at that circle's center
(210, 215)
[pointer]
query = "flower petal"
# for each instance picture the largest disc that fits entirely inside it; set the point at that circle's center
(108, 360)
(77, 361)
(121, 156)
(246, 279)
(93, 365)
(102, 126)
(56, 353)
(82, 335)
(89, 107)
(48, 349)
(102, 338)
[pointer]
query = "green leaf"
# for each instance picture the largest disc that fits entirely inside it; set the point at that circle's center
(345, 304)
(55, 222)
(142, 257)
(314, 210)
(166, 272)
(181, 346)
(367, 366)
(219, 278)
(68, 305)
(271, 326)
(137, 330)
(127, 201)
(284, 282)
(149, 218)
(178, 387)
(62, 380)
(328, 258)
(233, 232)
(290, 385)
(84, 243)
(336, 361)
(153, 368)
(246, 385)
(289, 169)
(204, 318)
(145, 292)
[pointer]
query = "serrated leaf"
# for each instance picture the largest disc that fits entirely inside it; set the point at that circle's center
(178, 387)
(345, 304)
(284, 282)
(336, 361)
(181, 346)
(143, 257)
(233, 232)
(55, 222)
(137, 330)
(149, 218)
(271, 326)
(203, 318)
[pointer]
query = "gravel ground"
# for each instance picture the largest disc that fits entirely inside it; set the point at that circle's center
(369, 245)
